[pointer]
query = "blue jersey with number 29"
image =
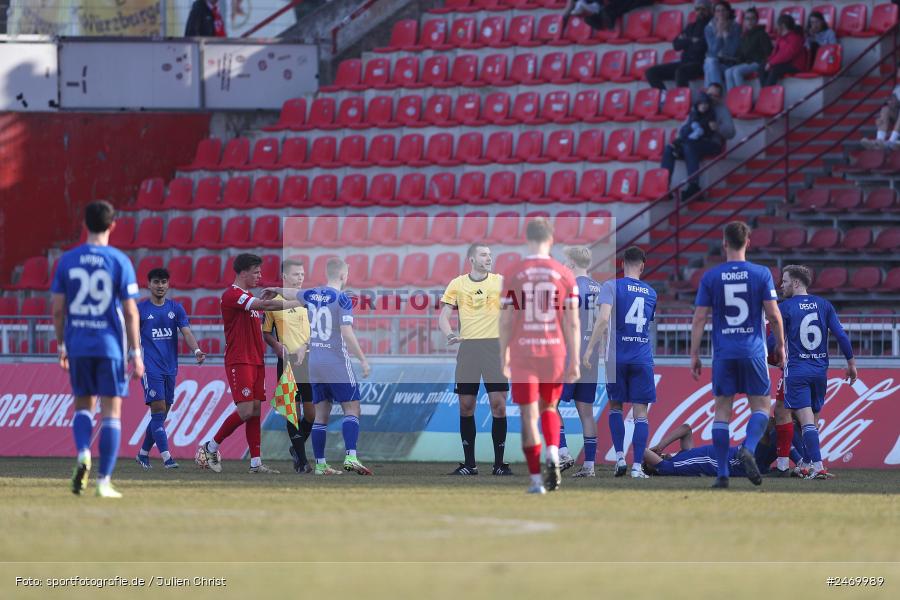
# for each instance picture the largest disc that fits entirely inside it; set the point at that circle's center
(95, 280)
(736, 291)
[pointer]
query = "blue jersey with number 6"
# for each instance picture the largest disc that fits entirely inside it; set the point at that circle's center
(633, 307)
(95, 280)
(807, 320)
(736, 291)
(328, 310)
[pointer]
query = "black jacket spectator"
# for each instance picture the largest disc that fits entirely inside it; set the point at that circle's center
(201, 22)
(692, 41)
(692, 44)
(755, 46)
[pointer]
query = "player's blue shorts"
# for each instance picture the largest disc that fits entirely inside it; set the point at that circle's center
(158, 387)
(699, 461)
(581, 391)
(632, 383)
(335, 392)
(92, 376)
(805, 392)
(731, 376)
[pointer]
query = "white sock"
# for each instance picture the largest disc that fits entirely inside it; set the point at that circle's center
(255, 461)
(103, 480)
(351, 453)
(881, 136)
(818, 466)
(320, 461)
(143, 452)
(84, 456)
(564, 452)
(553, 454)
(165, 455)
(620, 456)
(894, 136)
(537, 479)
(212, 446)
(637, 467)
(589, 464)
(782, 463)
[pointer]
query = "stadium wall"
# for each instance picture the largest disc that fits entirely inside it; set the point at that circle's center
(404, 419)
(53, 164)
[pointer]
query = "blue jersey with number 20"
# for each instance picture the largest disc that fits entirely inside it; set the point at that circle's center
(328, 310)
(736, 291)
(95, 280)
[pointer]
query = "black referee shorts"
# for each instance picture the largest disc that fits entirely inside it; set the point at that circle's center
(479, 360)
(301, 376)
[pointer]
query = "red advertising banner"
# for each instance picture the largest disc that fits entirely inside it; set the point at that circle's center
(859, 426)
(36, 408)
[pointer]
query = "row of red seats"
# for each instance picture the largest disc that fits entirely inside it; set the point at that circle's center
(829, 279)
(412, 189)
(879, 162)
(442, 149)
(856, 239)
(496, 70)
(824, 200)
(852, 22)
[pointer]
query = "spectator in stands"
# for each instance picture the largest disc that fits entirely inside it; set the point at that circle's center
(205, 20)
(789, 54)
(723, 36)
(888, 121)
(753, 51)
(711, 143)
(611, 10)
(817, 34)
(692, 44)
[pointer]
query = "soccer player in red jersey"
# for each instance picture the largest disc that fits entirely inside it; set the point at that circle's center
(538, 328)
(244, 365)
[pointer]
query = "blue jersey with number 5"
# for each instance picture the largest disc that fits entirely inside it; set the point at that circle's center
(95, 280)
(633, 308)
(736, 291)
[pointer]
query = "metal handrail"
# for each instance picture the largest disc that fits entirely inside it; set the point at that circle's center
(271, 18)
(346, 21)
(785, 114)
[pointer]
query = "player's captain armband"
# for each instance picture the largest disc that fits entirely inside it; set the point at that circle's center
(133, 289)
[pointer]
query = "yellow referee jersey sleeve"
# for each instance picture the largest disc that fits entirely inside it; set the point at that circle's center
(478, 303)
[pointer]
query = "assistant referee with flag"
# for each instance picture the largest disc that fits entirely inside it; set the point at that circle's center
(476, 296)
(287, 333)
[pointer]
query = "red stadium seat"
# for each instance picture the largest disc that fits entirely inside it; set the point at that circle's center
(792, 238)
(496, 109)
(208, 232)
(762, 238)
(35, 274)
(236, 193)
(655, 184)
(596, 225)
(554, 68)
(491, 33)
(409, 111)
(650, 145)
(797, 12)
(446, 266)
(881, 199)
(265, 154)
(296, 232)
(412, 190)
(529, 147)
(403, 37)
(864, 161)
(411, 149)
(150, 194)
(844, 200)
(376, 73)
(207, 306)
(441, 189)
(586, 108)
(149, 233)
(439, 151)
(524, 69)
(385, 270)
(348, 77)
(180, 194)
(769, 103)
(500, 148)
(856, 239)
(265, 192)
(437, 110)
(827, 62)
(823, 239)
(579, 32)
(181, 272)
(405, 74)
(414, 229)
(740, 101)
(891, 283)
(620, 145)
(37, 306)
(434, 35)
(865, 279)
(521, 31)
(207, 156)
(358, 267)
(646, 106)
(555, 108)
(469, 148)
(122, 235)
(811, 200)
(293, 154)
(384, 230)
(179, 233)
(501, 187)
(323, 191)
(325, 231)
(638, 28)
(323, 152)
(236, 233)
(852, 22)
(830, 278)
(352, 151)
(887, 240)
(583, 67)
(295, 193)
(321, 114)
(549, 28)
(236, 154)
(669, 24)
(613, 65)
(383, 190)
(560, 146)
(562, 187)
(474, 227)
(616, 105)
(467, 110)
(505, 261)
(589, 147)
(493, 71)
(532, 185)
(354, 230)
(641, 60)
(9, 307)
(471, 188)
(351, 114)
(505, 227)
(592, 186)
(676, 106)
(444, 228)
(525, 108)
(884, 17)
(464, 72)
(266, 232)
(624, 185)
(829, 12)
(292, 116)
(462, 33)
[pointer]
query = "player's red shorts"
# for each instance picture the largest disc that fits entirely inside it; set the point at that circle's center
(537, 378)
(248, 382)
(779, 390)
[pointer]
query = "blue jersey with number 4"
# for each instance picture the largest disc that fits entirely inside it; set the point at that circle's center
(95, 280)
(807, 320)
(159, 335)
(633, 307)
(736, 291)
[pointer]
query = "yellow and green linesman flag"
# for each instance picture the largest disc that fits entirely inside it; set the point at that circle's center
(285, 392)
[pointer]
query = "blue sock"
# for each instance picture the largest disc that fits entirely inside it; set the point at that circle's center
(811, 441)
(158, 424)
(318, 440)
(590, 449)
(799, 444)
(562, 434)
(110, 434)
(795, 456)
(639, 439)
(617, 428)
(350, 429)
(148, 437)
(756, 427)
(81, 429)
(720, 437)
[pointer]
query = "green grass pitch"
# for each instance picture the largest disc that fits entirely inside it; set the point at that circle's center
(412, 532)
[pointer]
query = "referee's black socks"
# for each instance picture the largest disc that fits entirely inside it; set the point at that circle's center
(498, 433)
(467, 434)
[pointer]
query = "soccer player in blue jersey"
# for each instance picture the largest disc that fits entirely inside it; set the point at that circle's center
(160, 321)
(330, 372)
(739, 293)
(584, 391)
(807, 321)
(94, 312)
(631, 305)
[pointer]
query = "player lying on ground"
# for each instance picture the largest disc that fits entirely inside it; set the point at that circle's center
(538, 329)
(807, 322)
(161, 319)
(330, 371)
(244, 362)
(93, 313)
(629, 361)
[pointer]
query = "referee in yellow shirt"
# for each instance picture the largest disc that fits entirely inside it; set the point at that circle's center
(476, 296)
(287, 333)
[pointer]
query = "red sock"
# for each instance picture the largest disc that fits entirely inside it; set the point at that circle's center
(253, 436)
(233, 421)
(550, 424)
(784, 434)
(533, 458)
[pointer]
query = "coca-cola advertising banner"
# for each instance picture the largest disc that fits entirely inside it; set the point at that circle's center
(859, 425)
